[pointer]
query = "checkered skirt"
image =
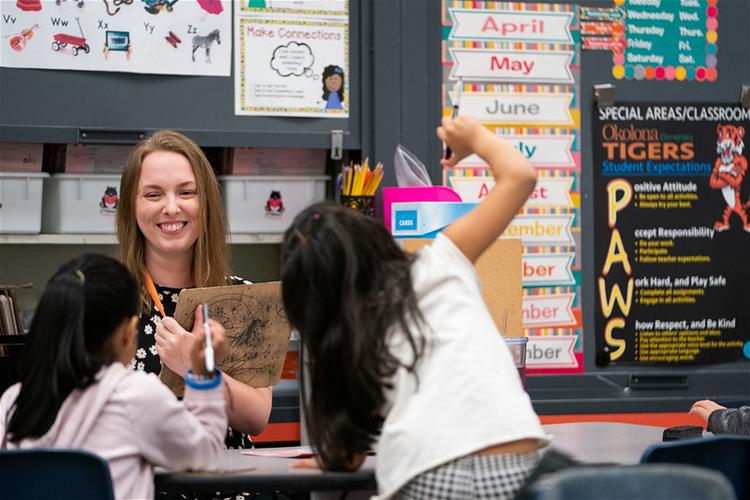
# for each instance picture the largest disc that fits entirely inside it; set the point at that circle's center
(473, 476)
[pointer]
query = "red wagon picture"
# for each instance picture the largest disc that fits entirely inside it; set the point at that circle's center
(62, 40)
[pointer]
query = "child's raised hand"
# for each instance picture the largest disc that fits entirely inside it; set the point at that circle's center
(198, 340)
(463, 135)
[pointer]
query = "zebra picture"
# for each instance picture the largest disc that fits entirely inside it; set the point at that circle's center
(205, 42)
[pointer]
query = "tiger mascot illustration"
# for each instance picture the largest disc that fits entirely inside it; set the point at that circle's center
(729, 172)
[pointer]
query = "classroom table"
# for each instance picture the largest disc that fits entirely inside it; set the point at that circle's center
(590, 442)
(604, 442)
(239, 472)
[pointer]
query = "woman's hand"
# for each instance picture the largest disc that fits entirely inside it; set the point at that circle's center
(705, 408)
(174, 344)
(463, 135)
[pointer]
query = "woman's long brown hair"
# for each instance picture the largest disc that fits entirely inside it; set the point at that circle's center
(211, 253)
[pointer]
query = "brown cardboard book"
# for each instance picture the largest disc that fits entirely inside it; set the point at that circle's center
(499, 270)
(256, 326)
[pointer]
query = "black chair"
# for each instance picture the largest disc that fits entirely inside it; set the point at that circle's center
(727, 454)
(634, 482)
(42, 474)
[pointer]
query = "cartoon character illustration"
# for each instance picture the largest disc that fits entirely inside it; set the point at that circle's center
(206, 42)
(728, 173)
(109, 200)
(333, 87)
(274, 204)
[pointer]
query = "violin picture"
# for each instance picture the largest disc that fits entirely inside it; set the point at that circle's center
(18, 42)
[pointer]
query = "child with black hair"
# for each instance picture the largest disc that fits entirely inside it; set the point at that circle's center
(403, 353)
(77, 392)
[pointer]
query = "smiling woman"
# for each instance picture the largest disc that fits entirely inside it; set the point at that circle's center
(172, 233)
(167, 210)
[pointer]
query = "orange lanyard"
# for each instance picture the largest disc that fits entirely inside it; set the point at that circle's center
(154, 294)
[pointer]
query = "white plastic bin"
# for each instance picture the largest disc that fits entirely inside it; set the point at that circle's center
(21, 202)
(254, 203)
(80, 203)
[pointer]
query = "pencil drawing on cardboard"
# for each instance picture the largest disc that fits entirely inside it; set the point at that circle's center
(257, 330)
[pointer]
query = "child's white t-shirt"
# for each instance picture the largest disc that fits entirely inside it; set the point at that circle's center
(467, 394)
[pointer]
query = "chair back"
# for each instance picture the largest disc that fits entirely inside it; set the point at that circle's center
(42, 474)
(634, 482)
(727, 454)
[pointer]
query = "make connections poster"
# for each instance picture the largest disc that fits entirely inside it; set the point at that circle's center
(672, 233)
(292, 59)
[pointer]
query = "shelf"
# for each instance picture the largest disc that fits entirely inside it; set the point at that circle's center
(256, 238)
(111, 239)
(58, 239)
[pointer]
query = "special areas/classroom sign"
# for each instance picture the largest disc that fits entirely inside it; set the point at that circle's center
(672, 233)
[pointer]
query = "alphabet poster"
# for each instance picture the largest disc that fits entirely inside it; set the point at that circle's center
(177, 37)
(672, 245)
(291, 66)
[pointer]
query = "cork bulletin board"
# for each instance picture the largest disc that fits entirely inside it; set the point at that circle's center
(499, 270)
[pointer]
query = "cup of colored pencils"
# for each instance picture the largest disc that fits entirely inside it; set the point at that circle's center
(358, 185)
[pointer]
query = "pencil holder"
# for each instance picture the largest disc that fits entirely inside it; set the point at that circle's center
(362, 204)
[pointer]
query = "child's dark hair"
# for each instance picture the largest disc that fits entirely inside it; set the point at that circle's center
(81, 308)
(346, 284)
(331, 70)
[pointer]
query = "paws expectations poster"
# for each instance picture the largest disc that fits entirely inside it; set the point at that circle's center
(672, 233)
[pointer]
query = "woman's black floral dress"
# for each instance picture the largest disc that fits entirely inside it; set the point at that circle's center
(147, 358)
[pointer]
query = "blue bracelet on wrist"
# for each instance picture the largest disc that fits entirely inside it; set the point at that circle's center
(203, 382)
